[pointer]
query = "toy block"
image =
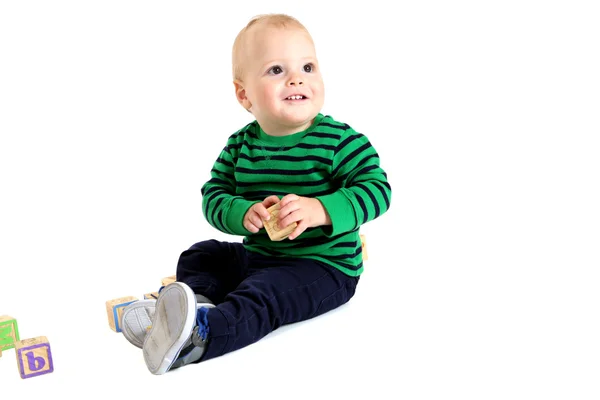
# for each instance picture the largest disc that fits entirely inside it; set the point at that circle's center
(363, 240)
(275, 232)
(9, 332)
(168, 280)
(153, 295)
(34, 357)
(114, 309)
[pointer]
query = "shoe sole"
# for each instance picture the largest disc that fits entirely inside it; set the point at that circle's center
(174, 319)
(136, 320)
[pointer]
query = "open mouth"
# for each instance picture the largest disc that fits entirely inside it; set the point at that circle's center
(296, 97)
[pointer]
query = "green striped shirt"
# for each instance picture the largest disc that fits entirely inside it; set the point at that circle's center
(329, 161)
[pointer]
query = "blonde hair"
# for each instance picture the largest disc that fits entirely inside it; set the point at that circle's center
(273, 20)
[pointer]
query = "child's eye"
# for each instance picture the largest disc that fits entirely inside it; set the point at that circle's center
(308, 68)
(276, 70)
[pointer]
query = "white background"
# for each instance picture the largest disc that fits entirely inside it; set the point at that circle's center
(481, 282)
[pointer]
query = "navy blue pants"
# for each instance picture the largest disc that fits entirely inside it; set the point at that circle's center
(256, 294)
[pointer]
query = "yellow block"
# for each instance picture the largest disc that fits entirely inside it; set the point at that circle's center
(363, 241)
(276, 233)
(168, 280)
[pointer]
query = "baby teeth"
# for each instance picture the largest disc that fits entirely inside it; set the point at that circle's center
(295, 97)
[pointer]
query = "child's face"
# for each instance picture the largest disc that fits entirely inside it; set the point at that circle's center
(281, 63)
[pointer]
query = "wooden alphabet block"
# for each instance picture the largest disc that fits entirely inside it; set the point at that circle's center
(34, 357)
(273, 230)
(114, 309)
(153, 295)
(363, 240)
(168, 280)
(9, 332)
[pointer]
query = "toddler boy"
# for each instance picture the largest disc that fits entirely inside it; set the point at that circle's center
(325, 177)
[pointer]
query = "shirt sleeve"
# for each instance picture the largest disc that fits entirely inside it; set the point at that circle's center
(222, 208)
(364, 192)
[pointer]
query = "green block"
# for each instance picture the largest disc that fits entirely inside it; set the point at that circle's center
(9, 332)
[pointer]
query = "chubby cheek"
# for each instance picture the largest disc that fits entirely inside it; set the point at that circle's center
(269, 96)
(318, 94)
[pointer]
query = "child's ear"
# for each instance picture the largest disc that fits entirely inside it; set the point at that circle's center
(240, 94)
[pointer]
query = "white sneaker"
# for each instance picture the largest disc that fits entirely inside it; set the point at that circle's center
(137, 321)
(173, 323)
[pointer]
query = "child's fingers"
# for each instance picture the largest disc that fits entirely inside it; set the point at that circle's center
(256, 220)
(288, 198)
(252, 220)
(248, 225)
(269, 201)
(299, 229)
(285, 211)
(261, 212)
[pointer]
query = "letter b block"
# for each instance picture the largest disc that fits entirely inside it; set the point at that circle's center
(9, 332)
(34, 357)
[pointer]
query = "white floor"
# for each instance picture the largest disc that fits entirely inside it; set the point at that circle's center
(482, 281)
(346, 352)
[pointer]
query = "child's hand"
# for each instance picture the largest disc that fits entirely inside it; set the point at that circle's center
(307, 212)
(252, 219)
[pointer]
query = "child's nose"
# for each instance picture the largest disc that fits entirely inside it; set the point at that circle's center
(295, 81)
